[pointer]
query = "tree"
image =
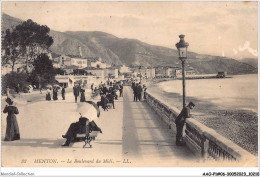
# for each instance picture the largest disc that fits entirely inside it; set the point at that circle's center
(13, 80)
(10, 49)
(59, 71)
(43, 71)
(33, 39)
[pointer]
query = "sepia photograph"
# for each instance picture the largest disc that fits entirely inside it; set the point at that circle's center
(129, 84)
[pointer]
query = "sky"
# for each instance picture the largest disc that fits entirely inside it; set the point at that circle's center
(228, 29)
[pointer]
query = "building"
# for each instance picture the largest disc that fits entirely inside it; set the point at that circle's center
(69, 60)
(167, 71)
(146, 72)
(150, 73)
(188, 72)
(79, 62)
(98, 63)
(124, 69)
(70, 80)
(65, 80)
(98, 72)
(161, 71)
(171, 72)
(111, 72)
(69, 69)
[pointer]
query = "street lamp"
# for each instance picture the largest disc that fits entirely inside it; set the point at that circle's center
(182, 51)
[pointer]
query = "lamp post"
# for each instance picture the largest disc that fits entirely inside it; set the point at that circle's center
(182, 51)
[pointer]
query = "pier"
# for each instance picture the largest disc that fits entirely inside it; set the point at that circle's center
(134, 134)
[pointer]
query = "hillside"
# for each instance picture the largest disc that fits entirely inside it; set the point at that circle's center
(133, 52)
(250, 61)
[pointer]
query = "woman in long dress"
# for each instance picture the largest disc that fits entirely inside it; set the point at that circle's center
(12, 128)
(55, 93)
(48, 95)
(82, 95)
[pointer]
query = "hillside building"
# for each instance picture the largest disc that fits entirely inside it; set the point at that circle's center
(124, 69)
(146, 72)
(98, 63)
(111, 72)
(188, 72)
(166, 71)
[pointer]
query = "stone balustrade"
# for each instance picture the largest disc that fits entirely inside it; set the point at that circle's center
(204, 142)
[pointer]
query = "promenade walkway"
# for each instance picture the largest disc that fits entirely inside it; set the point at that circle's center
(132, 136)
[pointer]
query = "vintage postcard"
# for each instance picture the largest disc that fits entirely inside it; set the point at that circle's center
(129, 84)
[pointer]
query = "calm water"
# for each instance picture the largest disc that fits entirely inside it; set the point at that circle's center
(238, 92)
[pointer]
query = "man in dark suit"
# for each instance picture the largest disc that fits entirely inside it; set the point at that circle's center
(63, 92)
(76, 92)
(180, 120)
(139, 91)
(75, 128)
(121, 87)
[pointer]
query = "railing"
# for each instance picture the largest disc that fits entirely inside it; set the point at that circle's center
(204, 142)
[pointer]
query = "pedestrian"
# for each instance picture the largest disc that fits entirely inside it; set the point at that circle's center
(12, 128)
(135, 91)
(55, 93)
(121, 87)
(104, 102)
(82, 95)
(133, 85)
(114, 90)
(48, 94)
(76, 93)
(139, 91)
(104, 89)
(111, 98)
(180, 120)
(144, 89)
(92, 87)
(63, 92)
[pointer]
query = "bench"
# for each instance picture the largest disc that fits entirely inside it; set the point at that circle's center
(88, 138)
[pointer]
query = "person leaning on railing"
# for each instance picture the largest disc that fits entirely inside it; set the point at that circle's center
(180, 120)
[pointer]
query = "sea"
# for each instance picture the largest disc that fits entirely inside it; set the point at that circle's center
(236, 92)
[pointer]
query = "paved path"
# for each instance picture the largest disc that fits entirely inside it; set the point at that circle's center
(132, 136)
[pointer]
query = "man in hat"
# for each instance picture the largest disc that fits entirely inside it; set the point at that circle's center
(180, 120)
(78, 127)
(76, 92)
(63, 92)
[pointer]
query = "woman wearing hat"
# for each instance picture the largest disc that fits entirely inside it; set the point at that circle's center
(12, 128)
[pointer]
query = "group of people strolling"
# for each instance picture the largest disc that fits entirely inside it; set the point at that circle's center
(138, 89)
(79, 91)
(108, 94)
(55, 91)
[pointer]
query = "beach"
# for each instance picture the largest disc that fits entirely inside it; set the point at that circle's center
(229, 106)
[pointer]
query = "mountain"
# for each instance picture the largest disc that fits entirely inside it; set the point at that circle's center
(250, 61)
(9, 22)
(133, 52)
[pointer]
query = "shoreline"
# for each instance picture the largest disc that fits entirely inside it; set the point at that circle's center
(243, 123)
